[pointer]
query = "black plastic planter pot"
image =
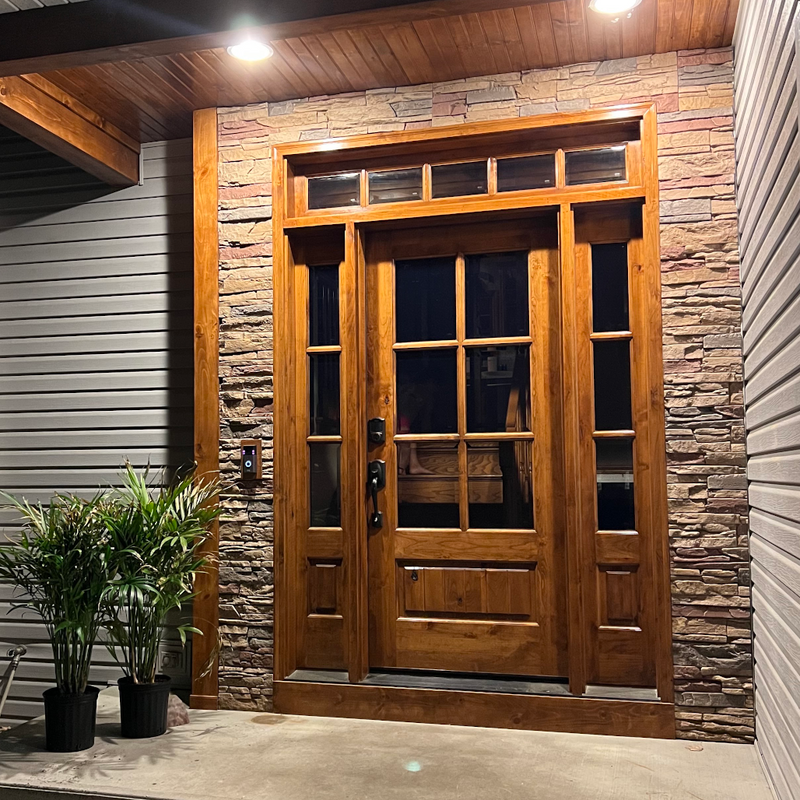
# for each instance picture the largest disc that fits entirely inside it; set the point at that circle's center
(69, 720)
(143, 707)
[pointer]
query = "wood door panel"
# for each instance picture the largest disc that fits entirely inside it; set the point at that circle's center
(324, 642)
(518, 546)
(469, 591)
(489, 647)
(621, 658)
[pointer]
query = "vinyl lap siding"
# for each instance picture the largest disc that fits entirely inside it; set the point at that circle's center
(768, 195)
(95, 344)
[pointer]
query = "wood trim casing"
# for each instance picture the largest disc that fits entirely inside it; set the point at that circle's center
(479, 709)
(38, 110)
(206, 394)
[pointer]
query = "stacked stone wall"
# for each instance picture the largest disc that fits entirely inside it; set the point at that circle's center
(702, 349)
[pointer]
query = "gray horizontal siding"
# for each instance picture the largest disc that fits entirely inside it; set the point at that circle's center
(768, 198)
(95, 345)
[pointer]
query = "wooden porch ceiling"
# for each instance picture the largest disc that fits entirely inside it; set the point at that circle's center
(152, 98)
(149, 89)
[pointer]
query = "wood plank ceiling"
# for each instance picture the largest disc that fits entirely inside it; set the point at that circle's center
(7, 6)
(152, 98)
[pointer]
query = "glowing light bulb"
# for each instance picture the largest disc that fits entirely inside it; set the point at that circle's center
(251, 50)
(613, 6)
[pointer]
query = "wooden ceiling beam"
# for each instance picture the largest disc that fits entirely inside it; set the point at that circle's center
(105, 31)
(38, 110)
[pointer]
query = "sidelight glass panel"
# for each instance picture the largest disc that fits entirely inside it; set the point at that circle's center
(426, 391)
(425, 299)
(395, 185)
(323, 394)
(457, 180)
(615, 496)
(325, 484)
(323, 305)
(427, 485)
(612, 385)
(334, 191)
(610, 287)
(529, 172)
(497, 295)
(599, 165)
(500, 484)
(498, 388)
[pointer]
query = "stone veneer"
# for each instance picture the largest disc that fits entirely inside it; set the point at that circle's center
(702, 349)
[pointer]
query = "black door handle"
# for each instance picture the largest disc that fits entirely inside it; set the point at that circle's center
(376, 480)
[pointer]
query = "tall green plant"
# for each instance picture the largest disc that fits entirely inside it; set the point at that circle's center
(155, 535)
(61, 565)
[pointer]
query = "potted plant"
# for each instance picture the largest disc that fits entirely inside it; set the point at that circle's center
(155, 535)
(60, 565)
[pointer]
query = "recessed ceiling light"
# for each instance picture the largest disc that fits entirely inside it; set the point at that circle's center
(251, 50)
(613, 6)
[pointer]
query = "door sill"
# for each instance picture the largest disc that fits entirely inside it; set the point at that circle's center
(419, 679)
(487, 709)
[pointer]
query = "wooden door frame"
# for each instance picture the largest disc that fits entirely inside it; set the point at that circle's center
(577, 713)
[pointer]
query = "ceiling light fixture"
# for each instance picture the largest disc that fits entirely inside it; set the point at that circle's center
(613, 6)
(251, 50)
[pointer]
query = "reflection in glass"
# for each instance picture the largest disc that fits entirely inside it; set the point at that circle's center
(595, 166)
(426, 391)
(323, 305)
(455, 180)
(500, 484)
(612, 385)
(498, 388)
(427, 485)
(334, 191)
(610, 287)
(615, 497)
(497, 295)
(323, 394)
(324, 489)
(425, 299)
(395, 185)
(529, 172)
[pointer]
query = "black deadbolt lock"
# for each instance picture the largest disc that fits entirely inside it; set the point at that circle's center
(376, 430)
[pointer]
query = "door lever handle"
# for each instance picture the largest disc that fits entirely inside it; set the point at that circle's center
(376, 480)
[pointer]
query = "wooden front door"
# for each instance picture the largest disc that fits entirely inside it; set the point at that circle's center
(466, 552)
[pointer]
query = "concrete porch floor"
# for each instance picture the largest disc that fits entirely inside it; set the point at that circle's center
(227, 755)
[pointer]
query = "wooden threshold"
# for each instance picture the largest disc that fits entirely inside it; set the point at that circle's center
(652, 720)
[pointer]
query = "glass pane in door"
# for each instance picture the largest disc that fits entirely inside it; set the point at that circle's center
(426, 391)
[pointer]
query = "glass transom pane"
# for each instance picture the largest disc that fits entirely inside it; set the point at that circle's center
(527, 172)
(395, 185)
(457, 180)
(334, 191)
(599, 165)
